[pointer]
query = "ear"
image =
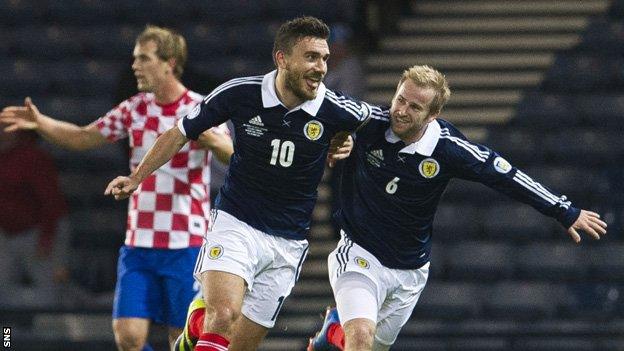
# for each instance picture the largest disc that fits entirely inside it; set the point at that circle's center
(280, 59)
(171, 63)
(432, 117)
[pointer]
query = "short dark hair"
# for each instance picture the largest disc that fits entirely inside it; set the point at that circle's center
(170, 45)
(294, 30)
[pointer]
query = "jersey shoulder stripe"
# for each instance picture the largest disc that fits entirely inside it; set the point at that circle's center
(232, 83)
(342, 105)
(359, 110)
(471, 148)
(378, 113)
(342, 99)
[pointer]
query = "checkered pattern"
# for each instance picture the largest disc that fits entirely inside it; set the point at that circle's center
(170, 209)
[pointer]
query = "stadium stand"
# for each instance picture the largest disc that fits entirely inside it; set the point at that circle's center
(540, 81)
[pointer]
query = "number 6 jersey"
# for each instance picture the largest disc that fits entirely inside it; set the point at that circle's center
(390, 191)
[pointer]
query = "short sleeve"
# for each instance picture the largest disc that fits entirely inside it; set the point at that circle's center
(213, 111)
(115, 124)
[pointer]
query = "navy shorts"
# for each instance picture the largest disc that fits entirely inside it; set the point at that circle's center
(155, 284)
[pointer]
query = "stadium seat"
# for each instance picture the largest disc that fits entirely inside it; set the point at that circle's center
(84, 78)
(597, 107)
(479, 261)
(169, 12)
(78, 12)
(607, 261)
(456, 222)
(591, 300)
(252, 40)
(511, 220)
(539, 109)
(226, 68)
(591, 147)
(20, 13)
(603, 36)
(437, 268)
(229, 12)
(552, 262)
(112, 42)
(20, 78)
(102, 228)
(516, 300)
(39, 42)
(543, 343)
(573, 73)
(518, 145)
(207, 39)
(449, 300)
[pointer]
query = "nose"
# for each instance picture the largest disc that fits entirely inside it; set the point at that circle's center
(135, 65)
(402, 110)
(321, 66)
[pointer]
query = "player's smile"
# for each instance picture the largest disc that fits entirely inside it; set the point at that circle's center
(410, 111)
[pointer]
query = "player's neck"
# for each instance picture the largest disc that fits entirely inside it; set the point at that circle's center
(410, 139)
(170, 91)
(285, 95)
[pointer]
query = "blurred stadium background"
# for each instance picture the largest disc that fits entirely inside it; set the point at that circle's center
(541, 81)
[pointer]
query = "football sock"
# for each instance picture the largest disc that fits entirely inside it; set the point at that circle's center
(147, 347)
(196, 322)
(335, 336)
(211, 342)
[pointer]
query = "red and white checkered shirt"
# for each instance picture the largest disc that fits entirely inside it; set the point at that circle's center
(170, 209)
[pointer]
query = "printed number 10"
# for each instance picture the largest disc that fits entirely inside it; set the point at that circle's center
(285, 153)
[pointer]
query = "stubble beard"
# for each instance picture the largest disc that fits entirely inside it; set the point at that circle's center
(294, 81)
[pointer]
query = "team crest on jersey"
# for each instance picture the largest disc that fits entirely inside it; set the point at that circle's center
(429, 168)
(194, 112)
(313, 130)
(361, 262)
(215, 252)
(501, 165)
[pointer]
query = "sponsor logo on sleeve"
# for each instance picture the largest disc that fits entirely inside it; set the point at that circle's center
(501, 165)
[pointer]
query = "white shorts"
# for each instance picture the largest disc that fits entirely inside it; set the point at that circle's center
(397, 291)
(270, 265)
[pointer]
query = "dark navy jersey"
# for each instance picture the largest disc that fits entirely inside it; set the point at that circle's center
(390, 191)
(279, 155)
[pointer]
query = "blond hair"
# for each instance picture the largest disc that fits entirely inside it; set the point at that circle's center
(427, 77)
(170, 45)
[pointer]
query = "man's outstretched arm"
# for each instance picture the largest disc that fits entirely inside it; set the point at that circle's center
(166, 146)
(64, 134)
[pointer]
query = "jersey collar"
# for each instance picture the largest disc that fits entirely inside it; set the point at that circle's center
(425, 145)
(269, 96)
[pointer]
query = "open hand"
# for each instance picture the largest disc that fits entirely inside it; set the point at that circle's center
(20, 117)
(590, 223)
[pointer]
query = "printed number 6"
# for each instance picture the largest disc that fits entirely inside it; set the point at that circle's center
(392, 186)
